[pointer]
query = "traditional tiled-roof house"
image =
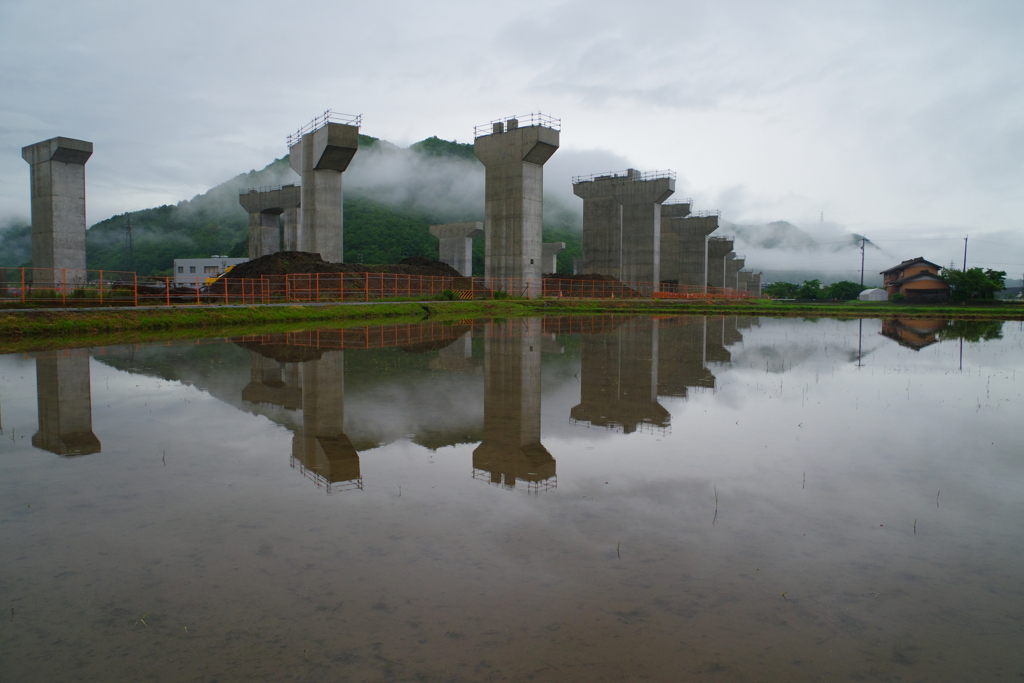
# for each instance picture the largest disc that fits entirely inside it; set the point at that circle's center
(915, 279)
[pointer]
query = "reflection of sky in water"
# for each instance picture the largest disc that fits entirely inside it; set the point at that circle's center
(195, 513)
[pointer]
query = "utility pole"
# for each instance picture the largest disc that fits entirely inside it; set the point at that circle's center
(129, 244)
(965, 254)
(862, 240)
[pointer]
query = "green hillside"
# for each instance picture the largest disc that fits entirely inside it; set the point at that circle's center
(215, 223)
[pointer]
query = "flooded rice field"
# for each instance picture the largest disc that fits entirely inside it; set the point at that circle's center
(561, 499)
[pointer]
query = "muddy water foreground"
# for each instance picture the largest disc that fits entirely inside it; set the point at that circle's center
(584, 499)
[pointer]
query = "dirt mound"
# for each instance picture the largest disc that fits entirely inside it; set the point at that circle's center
(285, 262)
(582, 277)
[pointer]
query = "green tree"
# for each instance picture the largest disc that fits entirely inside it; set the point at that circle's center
(781, 290)
(844, 290)
(810, 289)
(974, 283)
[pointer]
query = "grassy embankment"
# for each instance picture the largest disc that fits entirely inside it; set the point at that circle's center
(38, 329)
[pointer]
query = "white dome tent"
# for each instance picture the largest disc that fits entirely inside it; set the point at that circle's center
(873, 295)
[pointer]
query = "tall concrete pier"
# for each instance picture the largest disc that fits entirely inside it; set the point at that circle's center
(622, 224)
(513, 152)
(549, 256)
(693, 232)
(322, 446)
(718, 249)
(743, 280)
(266, 208)
(320, 152)
(754, 285)
(456, 244)
(511, 450)
(58, 209)
(64, 395)
(733, 265)
(619, 378)
(670, 246)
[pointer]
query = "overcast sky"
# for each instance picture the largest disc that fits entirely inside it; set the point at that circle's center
(894, 119)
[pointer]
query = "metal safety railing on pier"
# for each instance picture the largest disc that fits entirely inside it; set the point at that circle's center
(46, 288)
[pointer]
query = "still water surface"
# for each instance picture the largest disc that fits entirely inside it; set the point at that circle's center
(568, 499)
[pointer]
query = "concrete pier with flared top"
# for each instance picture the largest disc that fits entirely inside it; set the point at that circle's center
(321, 445)
(754, 285)
(58, 209)
(511, 450)
(266, 209)
(669, 251)
(549, 256)
(693, 232)
(619, 378)
(622, 223)
(514, 156)
(718, 249)
(64, 395)
(456, 244)
(733, 266)
(743, 280)
(321, 157)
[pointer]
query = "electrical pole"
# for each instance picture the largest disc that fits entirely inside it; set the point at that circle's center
(862, 240)
(965, 254)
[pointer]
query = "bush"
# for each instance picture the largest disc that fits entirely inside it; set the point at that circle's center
(898, 297)
(448, 295)
(499, 294)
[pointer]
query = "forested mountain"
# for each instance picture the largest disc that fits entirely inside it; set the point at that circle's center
(392, 196)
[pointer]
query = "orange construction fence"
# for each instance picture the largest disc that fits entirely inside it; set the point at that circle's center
(66, 287)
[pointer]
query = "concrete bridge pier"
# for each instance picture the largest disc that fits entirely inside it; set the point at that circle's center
(456, 244)
(265, 209)
(321, 157)
(718, 249)
(670, 240)
(64, 395)
(693, 232)
(58, 210)
(514, 158)
(623, 232)
(549, 256)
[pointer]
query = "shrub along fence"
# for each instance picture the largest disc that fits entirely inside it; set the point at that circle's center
(66, 287)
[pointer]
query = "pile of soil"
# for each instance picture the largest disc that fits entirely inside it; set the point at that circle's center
(581, 276)
(285, 262)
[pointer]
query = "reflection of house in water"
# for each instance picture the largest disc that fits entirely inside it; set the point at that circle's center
(511, 450)
(619, 378)
(682, 356)
(913, 333)
(64, 394)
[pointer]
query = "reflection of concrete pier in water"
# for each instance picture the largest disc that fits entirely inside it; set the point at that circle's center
(683, 357)
(619, 378)
(64, 394)
(511, 450)
(320, 447)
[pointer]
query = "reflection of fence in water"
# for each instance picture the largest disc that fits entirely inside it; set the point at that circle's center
(323, 482)
(534, 487)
